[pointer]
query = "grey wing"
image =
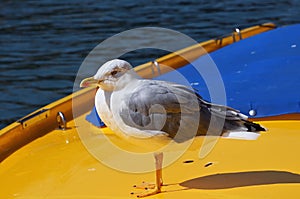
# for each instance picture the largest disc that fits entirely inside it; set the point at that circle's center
(163, 106)
(180, 112)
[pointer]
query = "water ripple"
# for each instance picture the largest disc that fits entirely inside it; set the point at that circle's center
(43, 42)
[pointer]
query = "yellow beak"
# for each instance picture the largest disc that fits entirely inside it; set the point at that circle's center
(88, 82)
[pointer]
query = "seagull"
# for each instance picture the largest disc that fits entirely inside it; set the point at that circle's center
(145, 108)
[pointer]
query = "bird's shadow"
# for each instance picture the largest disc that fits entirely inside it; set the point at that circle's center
(241, 179)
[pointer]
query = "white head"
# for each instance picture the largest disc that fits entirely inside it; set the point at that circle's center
(108, 75)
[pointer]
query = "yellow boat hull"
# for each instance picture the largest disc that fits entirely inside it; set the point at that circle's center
(58, 164)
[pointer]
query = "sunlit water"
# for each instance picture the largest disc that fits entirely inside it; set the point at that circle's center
(43, 43)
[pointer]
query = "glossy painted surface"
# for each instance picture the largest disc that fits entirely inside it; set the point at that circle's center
(76, 163)
(59, 166)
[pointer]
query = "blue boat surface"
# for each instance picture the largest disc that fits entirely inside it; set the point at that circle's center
(259, 74)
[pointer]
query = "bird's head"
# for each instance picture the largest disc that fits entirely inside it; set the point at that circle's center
(108, 75)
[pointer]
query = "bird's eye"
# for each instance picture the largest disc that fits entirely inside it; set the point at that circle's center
(114, 73)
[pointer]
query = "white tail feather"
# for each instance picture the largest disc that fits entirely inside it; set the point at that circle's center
(241, 135)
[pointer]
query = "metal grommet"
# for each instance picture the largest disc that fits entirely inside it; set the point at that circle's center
(61, 121)
(252, 112)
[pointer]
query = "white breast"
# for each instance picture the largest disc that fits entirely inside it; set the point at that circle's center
(102, 101)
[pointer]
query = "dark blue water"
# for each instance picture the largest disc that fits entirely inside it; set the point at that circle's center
(43, 43)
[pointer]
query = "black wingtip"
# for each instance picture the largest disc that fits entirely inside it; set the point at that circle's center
(252, 127)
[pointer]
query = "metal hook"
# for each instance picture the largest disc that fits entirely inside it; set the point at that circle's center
(156, 64)
(238, 31)
(61, 121)
(219, 40)
(233, 37)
